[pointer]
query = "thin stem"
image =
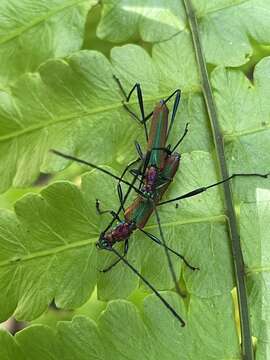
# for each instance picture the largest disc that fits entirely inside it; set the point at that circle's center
(237, 255)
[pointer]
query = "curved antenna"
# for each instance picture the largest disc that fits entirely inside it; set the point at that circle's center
(125, 198)
(205, 188)
(81, 161)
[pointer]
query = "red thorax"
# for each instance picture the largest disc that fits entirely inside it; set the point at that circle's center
(150, 179)
(120, 232)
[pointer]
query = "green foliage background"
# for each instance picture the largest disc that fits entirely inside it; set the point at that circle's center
(57, 91)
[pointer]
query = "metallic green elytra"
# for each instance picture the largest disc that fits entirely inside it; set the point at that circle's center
(158, 135)
(141, 209)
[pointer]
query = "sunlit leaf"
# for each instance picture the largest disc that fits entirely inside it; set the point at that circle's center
(73, 104)
(123, 332)
(226, 26)
(34, 31)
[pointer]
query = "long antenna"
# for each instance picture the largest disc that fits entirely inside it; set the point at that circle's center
(124, 199)
(205, 188)
(81, 161)
(168, 306)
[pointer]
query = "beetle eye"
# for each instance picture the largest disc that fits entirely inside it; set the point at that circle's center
(104, 243)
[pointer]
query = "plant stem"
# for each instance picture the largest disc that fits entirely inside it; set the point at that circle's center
(247, 349)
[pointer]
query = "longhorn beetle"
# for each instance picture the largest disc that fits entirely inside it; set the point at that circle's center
(157, 169)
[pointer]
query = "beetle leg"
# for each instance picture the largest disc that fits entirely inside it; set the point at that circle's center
(118, 260)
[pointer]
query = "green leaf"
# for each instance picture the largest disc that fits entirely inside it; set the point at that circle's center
(244, 114)
(55, 233)
(246, 144)
(122, 332)
(68, 101)
(256, 255)
(152, 20)
(45, 239)
(32, 32)
(47, 248)
(48, 252)
(9, 349)
(226, 26)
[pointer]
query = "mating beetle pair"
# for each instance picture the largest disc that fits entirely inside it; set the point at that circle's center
(157, 168)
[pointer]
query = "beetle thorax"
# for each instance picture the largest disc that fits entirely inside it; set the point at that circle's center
(120, 232)
(150, 180)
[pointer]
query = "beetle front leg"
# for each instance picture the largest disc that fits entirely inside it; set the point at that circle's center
(118, 260)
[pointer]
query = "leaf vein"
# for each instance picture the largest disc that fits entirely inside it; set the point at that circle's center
(40, 19)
